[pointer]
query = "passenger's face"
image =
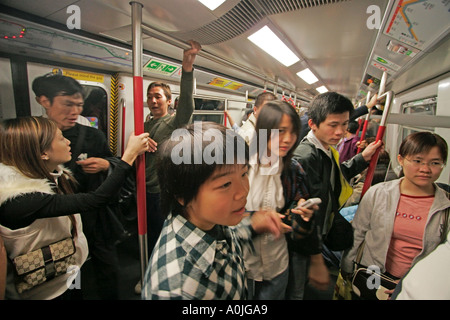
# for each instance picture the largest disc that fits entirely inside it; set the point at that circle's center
(64, 110)
(221, 199)
(257, 110)
(330, 131)
(58, 153)
(422, 169)
(286, 138)
(157, 102)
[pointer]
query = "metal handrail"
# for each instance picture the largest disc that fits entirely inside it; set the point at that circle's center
(380, 134)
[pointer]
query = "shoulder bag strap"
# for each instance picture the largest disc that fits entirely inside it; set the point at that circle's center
(359, 252)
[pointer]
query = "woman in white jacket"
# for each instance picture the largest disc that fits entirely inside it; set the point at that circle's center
(267, 263)
(400, 221)
(37, 205)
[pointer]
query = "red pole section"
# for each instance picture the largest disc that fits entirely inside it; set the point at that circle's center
(123, 125)
(138, 97)
(366, 123)
(360, 120)
(380, 134)
(138, 85)
(373, 162)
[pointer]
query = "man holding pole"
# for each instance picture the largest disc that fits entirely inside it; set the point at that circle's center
(160, 127)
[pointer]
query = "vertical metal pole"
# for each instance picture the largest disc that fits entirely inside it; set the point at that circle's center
(275, 88)
(124, 112)
(382, 83)
(138, 97)
(380, 134)
(365, 124)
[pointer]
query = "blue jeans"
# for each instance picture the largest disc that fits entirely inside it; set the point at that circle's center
(274, 289)
(298, 276)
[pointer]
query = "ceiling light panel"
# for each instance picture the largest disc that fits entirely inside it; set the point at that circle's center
(322, 89)
(268, 41)
(212, 4)
(307, 76)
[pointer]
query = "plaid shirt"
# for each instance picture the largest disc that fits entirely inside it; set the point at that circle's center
(188, 263)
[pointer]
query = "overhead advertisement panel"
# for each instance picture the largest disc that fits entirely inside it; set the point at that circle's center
(224, 83)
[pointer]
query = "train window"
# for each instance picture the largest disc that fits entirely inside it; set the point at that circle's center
(209, 104)
(420, 107)
(95, 107)
(207, 109)
(214, 117)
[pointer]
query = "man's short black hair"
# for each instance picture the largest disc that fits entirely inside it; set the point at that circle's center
(52, 85)
(263, 98)
(352, 126)
(328, 103)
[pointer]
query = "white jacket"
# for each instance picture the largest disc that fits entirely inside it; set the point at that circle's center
(40, 233)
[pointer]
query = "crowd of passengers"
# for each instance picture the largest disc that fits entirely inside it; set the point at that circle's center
(223, 229)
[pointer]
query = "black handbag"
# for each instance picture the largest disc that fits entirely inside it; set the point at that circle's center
(340, 235)
(370, 283)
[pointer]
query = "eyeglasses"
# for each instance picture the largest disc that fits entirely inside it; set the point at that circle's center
(416, 163)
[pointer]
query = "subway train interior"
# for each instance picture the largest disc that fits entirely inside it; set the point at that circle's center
(354, 47)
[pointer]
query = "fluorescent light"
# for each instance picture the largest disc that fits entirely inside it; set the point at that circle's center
(322, 89)
(212, 4)
(270, 43)
(308, 76)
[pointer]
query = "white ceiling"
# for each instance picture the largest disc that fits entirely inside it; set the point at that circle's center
(330, 36)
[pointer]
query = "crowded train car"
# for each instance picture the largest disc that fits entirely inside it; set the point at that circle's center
(211, 61)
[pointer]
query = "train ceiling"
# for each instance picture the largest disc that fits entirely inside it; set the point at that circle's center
(338, 40)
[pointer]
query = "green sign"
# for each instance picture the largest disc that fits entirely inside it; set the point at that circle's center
(382, 60)
(159, 67)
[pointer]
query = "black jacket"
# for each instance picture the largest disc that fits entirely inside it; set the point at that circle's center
(318, 167)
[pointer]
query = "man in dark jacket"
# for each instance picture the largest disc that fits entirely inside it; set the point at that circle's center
(62, 99)
(329, 116)
(356, 113)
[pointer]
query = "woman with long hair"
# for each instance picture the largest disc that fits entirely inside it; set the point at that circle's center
(38, 208)
(276, 183)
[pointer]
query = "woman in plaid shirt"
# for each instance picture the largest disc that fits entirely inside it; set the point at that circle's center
(198, 254)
